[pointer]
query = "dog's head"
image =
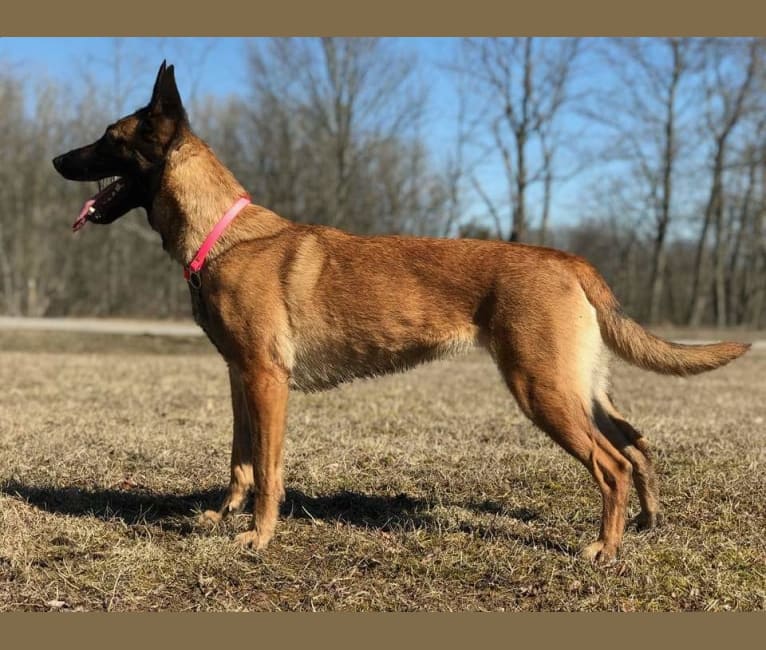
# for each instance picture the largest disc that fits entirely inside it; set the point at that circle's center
(133, 150)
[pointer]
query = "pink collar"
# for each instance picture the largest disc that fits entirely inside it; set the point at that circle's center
(195, 266)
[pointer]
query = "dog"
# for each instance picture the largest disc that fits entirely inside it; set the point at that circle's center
(309, 307)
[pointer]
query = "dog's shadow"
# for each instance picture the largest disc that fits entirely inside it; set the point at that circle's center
(174, 512)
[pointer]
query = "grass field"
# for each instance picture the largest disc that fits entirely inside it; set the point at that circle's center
(426, 490)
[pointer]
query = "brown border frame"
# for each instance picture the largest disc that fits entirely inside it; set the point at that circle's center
(402, 18)
(389, 18)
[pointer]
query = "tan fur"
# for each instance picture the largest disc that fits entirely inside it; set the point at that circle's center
(311, 307)
(633, 343)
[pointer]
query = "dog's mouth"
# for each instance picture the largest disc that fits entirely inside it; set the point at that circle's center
(116, 196)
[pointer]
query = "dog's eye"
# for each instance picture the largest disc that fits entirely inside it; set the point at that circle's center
(144, 126)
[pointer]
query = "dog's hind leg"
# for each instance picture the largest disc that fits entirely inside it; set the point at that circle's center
(552, 366)
(634, 447)
(241, 480)
(266, 390)
(566, 417)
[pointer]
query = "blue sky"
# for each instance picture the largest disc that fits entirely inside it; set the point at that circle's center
(62, 58)
(219, 62)
(219, 69)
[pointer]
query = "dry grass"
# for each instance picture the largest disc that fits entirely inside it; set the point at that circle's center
(420, 491)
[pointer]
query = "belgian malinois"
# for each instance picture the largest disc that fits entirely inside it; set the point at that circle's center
(310, 307)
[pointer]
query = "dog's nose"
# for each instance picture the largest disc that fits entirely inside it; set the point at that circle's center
(57, 162)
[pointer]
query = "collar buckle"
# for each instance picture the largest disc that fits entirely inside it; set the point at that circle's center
(194, 279)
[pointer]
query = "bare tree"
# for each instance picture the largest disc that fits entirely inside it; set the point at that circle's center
(524, 84)
(754, 283)
(339, 97)
(727, 98)
(644, 111)
(456, 166)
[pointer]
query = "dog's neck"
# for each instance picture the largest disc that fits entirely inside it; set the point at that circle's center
(196, 190)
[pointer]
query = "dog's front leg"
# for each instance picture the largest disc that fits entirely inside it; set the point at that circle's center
(266, 390)
(241, 481)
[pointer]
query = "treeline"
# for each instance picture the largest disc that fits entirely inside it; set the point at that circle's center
(648, 156)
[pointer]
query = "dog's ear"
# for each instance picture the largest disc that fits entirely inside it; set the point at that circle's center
(166, 100)
(157, 82)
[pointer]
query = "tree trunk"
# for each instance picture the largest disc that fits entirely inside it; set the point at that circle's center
(547, 183)
(659, 261)
(701, 281)
(719, 266)
(736, 288)
(518, 231)
(658, 254)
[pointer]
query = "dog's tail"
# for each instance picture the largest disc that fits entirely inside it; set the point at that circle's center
(627, 339)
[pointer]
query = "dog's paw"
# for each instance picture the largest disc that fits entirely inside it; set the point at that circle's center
(648, 520)
(599, 552)
(252, 539)
(210, 518)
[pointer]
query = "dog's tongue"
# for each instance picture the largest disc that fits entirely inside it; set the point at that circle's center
(89, 207)
(82, 219)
